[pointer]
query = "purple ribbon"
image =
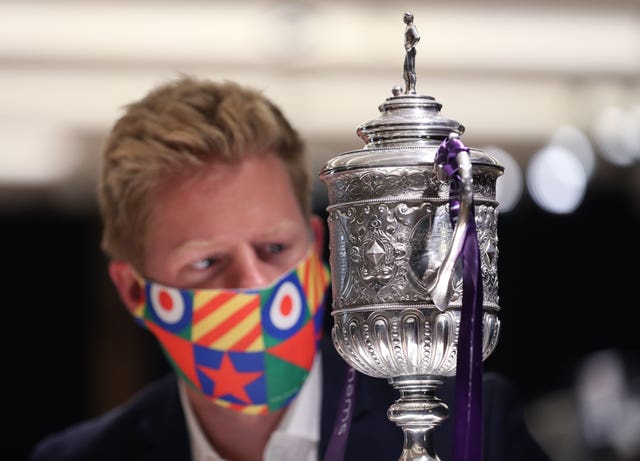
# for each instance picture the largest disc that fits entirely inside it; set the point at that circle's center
(338, 442)
(467, 444)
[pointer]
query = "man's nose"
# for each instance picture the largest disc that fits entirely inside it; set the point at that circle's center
(248, 270)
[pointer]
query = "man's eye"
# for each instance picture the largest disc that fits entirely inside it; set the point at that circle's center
(203, 263)
(275, 248)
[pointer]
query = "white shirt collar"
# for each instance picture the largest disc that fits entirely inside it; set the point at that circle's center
(295, 438)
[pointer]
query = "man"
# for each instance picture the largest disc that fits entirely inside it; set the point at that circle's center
(205, 199)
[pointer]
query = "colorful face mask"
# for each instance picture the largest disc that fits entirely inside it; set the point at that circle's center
(249, 350)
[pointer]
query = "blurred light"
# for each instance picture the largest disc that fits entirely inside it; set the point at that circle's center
(288, 23)
(574, 140)
(35, 154)
(617, 134)
(510, 184)
(608, 404)
(632, 135)
(556, 179)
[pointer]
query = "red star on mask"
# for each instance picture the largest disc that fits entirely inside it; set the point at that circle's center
(228, 381)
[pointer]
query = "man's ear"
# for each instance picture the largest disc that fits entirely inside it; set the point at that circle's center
(126, 281)
(318, 229)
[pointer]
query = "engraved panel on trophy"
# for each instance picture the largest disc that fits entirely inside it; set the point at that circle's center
(420, 261)
(487, 228)
(338, 246)
(385, 182)
(378, 249)
(430, 240)
(484, 186)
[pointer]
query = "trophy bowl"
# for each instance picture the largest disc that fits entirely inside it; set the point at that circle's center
(396, 278)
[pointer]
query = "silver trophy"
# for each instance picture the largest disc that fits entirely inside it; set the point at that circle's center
(396, 274)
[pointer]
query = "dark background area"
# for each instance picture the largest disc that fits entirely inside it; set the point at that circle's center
(568, 287)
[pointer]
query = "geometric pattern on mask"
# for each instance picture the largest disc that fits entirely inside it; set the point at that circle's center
(247, 350)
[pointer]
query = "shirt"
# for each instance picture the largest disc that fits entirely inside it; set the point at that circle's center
(296, 437)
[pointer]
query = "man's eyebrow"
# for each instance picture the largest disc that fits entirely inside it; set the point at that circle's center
(283, 228)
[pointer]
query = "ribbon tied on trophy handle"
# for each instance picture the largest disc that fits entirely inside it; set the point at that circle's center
(452, 159)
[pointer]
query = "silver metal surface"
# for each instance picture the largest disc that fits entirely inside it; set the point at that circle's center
(396, 281)
(442, 286)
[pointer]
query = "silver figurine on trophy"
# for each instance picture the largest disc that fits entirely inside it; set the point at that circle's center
(395, 253)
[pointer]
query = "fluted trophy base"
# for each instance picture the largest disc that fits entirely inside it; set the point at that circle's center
(417, 412)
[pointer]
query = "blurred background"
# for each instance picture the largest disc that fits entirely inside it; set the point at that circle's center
(551, 88)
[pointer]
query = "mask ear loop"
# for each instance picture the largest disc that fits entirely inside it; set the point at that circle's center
(139, 294)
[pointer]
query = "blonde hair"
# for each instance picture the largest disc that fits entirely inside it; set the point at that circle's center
(180, 128)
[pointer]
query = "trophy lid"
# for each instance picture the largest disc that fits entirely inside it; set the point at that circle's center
(407, 119)
(408, 124)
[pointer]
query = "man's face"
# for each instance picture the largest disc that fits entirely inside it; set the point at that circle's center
(235, 227)
(231, 226)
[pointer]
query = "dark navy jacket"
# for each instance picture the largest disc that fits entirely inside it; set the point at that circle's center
(151, 426)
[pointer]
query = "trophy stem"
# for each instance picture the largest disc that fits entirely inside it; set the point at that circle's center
(417, 412)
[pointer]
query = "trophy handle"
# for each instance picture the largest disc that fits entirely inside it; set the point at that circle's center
(441, 288)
